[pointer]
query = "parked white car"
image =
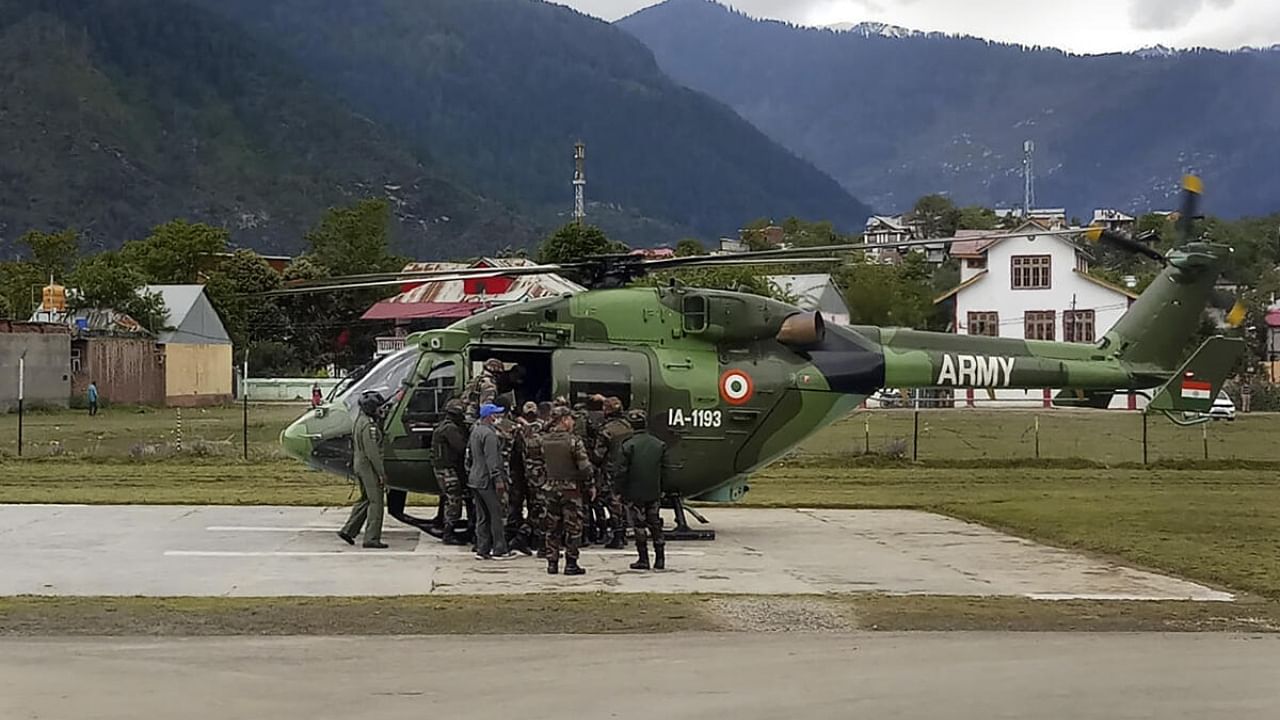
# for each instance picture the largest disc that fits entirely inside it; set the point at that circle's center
(1223, 408)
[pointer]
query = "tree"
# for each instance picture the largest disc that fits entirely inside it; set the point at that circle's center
(107, 281)
(53, 254)
(936, 215)
(574, 242)
(354, 239)
(175, 252)
(689, 247)
(232, 288)
(19, 281)
(888, 295)
(976, 218)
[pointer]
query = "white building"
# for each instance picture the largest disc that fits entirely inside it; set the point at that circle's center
(813, 291)
(1031, 287)
(1113, 220)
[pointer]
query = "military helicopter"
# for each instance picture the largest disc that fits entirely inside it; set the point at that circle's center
(732, 381)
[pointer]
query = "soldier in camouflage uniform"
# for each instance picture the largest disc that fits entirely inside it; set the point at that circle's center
(529, 448)
(519, 527)
(482, 388)
(448, 455)
(506, 428)
(605, 454)
(567, 464)
(640, 469)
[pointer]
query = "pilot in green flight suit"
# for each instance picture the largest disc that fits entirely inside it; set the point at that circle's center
(366, 437)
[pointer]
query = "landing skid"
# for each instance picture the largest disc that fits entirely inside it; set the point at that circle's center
(682, 531)
(395, 508)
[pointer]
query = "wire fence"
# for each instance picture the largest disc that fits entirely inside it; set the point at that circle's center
(1099, 436)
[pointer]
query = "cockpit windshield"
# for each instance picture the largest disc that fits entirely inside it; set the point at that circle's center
(386, 377)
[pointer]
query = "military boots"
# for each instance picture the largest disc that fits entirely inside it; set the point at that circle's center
(660, 557)
(553, 566)
(619, 538)
(571, 567)
(643, 563)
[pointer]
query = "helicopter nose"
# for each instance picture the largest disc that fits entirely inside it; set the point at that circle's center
(295, 439)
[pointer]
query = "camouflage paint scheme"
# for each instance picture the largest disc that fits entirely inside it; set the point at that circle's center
(679, 346)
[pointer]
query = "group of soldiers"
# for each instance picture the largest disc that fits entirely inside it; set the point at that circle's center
(549, 478)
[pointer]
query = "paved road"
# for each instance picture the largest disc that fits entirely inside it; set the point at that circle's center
(264, 551)
(745, 677)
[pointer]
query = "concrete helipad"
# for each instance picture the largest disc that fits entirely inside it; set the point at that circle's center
(272, 551)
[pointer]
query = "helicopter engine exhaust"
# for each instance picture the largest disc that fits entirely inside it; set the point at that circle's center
(802, 330)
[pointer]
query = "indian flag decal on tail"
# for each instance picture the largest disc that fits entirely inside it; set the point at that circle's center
(1196, 389)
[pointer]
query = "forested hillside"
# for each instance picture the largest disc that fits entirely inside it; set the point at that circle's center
(499, 90)
(118, 115)
(893, 118)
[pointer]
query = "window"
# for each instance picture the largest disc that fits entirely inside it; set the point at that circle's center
(386, 377)
(1030, 272)
(1039, 324)
(694, 309)
(1077, 326)
(1082, 263)
(984, 323)
(433, 391)
(976, 263)
(587, 379)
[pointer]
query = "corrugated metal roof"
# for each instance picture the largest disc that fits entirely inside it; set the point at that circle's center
(451, 299)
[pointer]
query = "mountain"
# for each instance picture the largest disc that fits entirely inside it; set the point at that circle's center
(117, 115)
(499, 90)
(893, 118)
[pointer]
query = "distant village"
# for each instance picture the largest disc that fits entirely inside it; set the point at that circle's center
(1013, 283)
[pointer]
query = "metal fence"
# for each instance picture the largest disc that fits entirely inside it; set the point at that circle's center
(1100, 436)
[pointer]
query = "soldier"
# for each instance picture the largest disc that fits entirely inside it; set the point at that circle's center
(509, 490)
(482, 388)
(448, 458)
(528, 447)
(366, 440)
(608, 446)
(486, 473)
(566, 461)
(641, 467)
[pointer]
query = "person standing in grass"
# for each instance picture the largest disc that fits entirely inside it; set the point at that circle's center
(93, 398)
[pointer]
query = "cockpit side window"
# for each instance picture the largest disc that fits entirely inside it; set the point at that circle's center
(386, 377)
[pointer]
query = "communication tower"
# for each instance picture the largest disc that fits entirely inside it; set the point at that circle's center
(579, 182)
(1028, 178)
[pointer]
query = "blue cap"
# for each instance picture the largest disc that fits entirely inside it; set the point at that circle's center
(488, 409)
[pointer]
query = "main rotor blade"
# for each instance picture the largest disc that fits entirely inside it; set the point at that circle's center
(1192, 189)
(729, 258)
(336, 284)
(457, 273)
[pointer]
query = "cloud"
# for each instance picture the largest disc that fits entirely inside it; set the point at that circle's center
(1169, 14)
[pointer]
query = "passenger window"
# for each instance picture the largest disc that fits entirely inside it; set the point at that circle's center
(694, 309)
(432, 393)
(587, 379)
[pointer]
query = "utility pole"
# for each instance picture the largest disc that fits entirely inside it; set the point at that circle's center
(244, 395)
(579, 182)
(22, 391)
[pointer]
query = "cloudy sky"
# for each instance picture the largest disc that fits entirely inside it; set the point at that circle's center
(1085, 26)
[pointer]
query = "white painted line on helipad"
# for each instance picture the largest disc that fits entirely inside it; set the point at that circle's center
(1207, 597)
(45, 505)
(285, 553)
(269, 528)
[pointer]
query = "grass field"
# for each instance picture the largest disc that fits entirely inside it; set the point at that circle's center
(1108, 438)
(1214, 522)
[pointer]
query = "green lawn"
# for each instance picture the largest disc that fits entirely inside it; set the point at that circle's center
(118, 432)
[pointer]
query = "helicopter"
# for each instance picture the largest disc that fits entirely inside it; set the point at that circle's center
(732, 381)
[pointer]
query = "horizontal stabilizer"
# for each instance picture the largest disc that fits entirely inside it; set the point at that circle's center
(1196, 384)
